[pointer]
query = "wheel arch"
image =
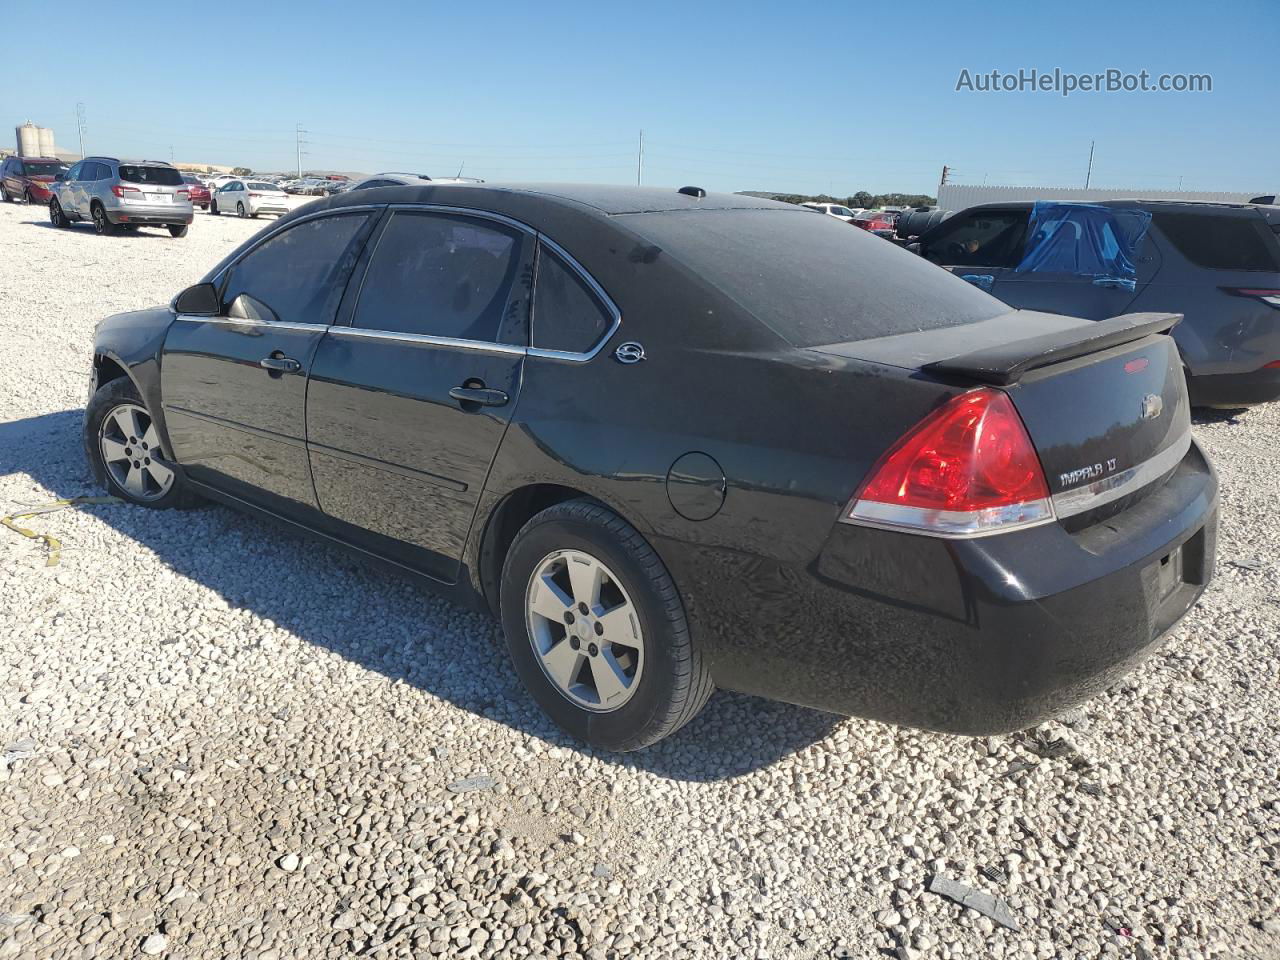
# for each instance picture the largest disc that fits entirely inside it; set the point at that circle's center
(511, 512)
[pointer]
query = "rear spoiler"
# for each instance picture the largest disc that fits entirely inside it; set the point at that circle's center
(1006, 363)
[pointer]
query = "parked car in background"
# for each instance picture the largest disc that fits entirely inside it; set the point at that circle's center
(836, 210)
(29, 178)
(200, 194)
(249, 198)
(405, 179)
(912, 529)
(876, 221)
(122, 194)
(1218, 264)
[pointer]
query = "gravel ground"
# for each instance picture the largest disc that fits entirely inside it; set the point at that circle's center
(222, 740)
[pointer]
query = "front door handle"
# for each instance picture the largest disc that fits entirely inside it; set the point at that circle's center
(280, 363)
(480, 396)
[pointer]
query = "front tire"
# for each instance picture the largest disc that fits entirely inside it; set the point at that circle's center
(597, 630)
(30, 198)
(56, 216)
(123, 447)
(213, 207)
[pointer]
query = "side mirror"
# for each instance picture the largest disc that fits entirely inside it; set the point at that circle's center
(200, 300)
(60, 177)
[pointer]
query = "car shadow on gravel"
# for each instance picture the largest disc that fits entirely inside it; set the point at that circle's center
(85, 226)
(386, 623)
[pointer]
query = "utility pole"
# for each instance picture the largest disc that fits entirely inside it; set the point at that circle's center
(640, 160)
(1089, 174)
(80, 125)
(946, 172)
(298, 144)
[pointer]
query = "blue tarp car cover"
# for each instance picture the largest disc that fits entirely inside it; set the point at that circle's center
(1084, 239)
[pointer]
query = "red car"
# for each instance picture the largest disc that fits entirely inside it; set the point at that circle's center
(200, 195)
(28, 178)
(881, 224)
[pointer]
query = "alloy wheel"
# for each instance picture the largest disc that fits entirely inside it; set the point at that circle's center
(585, 630)
(100, 223)
(131, 454)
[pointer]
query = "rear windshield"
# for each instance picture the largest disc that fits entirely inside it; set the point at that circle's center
(1220, 242)
(160, 176)
(262, 186)
(37, 169)
(814, 280)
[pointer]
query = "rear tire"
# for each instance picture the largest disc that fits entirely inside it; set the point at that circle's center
(240, 211)
(119, 438)
(102, 224)
(655, 675)
(56, 216)
(4, 191)
(177, 230)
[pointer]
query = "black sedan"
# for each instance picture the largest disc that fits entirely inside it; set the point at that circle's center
(679, 441)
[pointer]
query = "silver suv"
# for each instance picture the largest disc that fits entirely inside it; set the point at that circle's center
(122, 194)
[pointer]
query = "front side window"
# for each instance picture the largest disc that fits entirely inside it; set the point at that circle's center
(446, 276)
(980, 239)
(298, 275)
(567, 314)
(74, 172)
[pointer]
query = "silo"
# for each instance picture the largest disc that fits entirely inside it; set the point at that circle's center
(47, 146)
(28, 140)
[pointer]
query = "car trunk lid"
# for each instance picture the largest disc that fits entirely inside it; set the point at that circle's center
(1105, 403)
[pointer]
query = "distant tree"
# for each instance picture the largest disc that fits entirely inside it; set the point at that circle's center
(861, 199)
(241, 171)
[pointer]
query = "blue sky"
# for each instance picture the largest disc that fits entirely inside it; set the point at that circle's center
(811, 97)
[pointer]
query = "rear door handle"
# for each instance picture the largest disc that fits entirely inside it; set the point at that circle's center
(483, 396)
(280, 363)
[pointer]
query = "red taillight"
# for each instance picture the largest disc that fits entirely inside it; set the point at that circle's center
(120, 190)
(182, 192)
(967, 469)
(252, 194)
(1273, 365)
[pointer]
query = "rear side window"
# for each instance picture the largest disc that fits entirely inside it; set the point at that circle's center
(815, 280)
(978, 239)
(445, 276)
(298, 275)
(1220, 243)
(158, 176)
(567, 314)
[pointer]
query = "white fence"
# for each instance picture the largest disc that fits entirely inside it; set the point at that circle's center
(957, 196)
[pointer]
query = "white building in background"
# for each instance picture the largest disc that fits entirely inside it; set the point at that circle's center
(958, 196)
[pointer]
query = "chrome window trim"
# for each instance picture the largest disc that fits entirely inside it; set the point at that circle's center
(237, 322)
(487, 346)
(1069, 503)
(599, 291)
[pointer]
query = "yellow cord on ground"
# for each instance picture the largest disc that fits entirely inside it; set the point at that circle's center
(53, 544)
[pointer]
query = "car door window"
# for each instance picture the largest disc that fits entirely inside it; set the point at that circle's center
(74, 173)
(443, 275)
(567, 314)
(296, 276)
(980, 239)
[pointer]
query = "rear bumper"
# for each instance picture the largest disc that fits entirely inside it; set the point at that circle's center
(971, 637)
(1235, 389)
(168, 216)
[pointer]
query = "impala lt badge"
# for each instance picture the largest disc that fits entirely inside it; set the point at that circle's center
(1152, 406)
